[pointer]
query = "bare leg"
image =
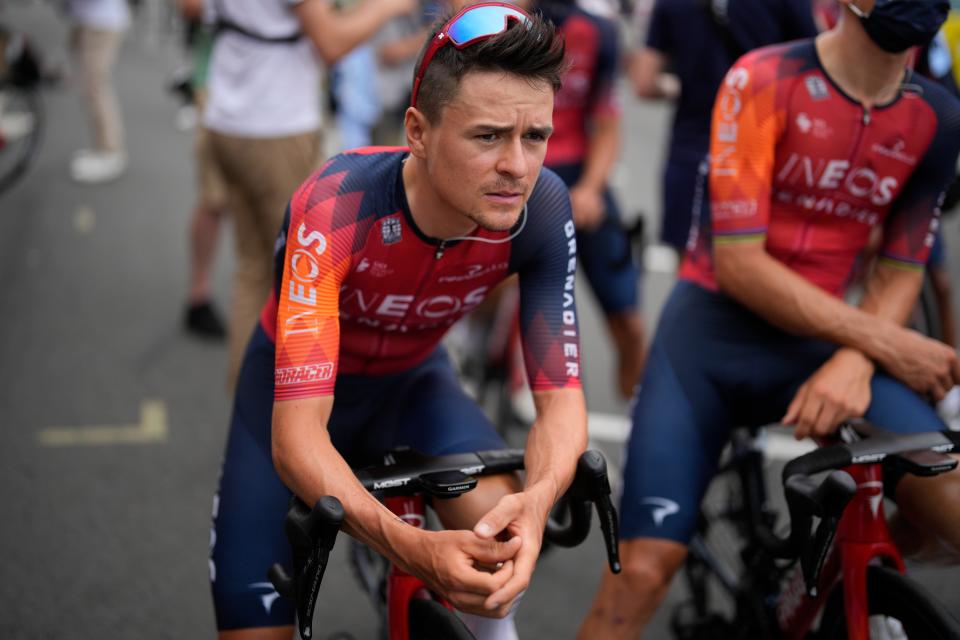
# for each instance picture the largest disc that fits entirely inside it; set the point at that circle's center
(472, 506)
(925, 526)
(627, 331)
(204, 231)
(625, 603)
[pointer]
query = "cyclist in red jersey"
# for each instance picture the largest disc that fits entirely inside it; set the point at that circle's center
(381, 252)
(583, 151)
(813, 145)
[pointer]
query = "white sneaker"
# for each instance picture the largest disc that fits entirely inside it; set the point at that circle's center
(95, 167)
(82, 153)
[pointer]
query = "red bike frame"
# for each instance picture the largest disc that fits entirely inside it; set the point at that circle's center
(862, 536)
(401, 586)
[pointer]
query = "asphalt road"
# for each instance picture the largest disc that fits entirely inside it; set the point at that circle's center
(114, 420)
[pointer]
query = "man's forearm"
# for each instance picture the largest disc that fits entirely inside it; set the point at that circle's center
(335, 33)
(892, 293)
(557, 439)
(602, 152)
(311, 467)
(787, 300)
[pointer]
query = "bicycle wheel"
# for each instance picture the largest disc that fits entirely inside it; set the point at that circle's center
(371, 569)
(728, 577)
(21, 125)
(900, 609)
(430, 620)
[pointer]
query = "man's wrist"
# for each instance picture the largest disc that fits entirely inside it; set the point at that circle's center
(588, 185)
(544, 495)
(855, 356)
(402, 543)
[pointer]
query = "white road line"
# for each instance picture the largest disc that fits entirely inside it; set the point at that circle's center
(611, 428)
(151, 429)
(608, 427)
(659, 258)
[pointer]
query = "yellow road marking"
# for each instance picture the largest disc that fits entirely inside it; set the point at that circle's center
(151, 429)
(84, 219)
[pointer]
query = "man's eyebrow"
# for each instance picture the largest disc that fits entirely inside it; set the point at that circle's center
(544, 131)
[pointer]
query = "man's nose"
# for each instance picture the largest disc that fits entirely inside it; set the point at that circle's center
(513, 161)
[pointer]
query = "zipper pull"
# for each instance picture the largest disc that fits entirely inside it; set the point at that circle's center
(866, 117)
(440, 248)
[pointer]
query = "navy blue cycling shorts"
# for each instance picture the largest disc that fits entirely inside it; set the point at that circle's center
(605, 254)
(423, 408)
(713, 366)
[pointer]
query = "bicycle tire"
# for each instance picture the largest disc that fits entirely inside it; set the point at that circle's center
(430, 620)
(728, 579)
(370, 570)
(16, 156)
(894, 596)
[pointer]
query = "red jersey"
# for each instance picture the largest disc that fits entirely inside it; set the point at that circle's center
(804, 168)
(361, 290)
(591, 56)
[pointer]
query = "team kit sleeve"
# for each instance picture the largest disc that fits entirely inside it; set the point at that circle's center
(316, 261)
(911, 226)
(547, 250)
(743, 139)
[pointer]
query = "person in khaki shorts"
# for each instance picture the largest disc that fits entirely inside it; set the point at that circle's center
(263, 114)
(95, 39)
(200, 317)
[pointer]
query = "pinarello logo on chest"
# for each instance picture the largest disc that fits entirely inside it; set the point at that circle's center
(895, 149)
(470, 272)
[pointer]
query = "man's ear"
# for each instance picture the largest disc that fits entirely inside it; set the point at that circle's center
(417, 127)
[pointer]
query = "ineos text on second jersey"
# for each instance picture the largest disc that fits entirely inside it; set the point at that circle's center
(803, 167)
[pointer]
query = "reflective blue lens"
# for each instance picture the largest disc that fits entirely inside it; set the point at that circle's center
(482, 22)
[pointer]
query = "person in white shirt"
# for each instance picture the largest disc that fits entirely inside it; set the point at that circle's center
(263, 114)
(95, 39)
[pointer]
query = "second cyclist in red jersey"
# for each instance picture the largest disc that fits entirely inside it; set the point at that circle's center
(814, 146)
(810, 171)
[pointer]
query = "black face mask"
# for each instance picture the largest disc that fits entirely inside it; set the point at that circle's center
(897, 25)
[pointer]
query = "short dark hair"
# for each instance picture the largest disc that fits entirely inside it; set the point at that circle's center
(534, 51)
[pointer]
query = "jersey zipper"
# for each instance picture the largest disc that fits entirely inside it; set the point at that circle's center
(865, 120)
(416, 296)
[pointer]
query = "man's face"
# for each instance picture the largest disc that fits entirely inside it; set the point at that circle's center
(484, 153)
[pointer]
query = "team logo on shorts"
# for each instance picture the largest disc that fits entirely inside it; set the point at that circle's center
(391, 231)
(817, 88)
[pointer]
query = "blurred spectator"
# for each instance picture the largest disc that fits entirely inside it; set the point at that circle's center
(96, 35)
(201, 318)
(263, 115)
(698, 41)
(354, 87)
(397, 45)
(583, 149)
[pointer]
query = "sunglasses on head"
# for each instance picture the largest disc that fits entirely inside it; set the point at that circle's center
(470, 25)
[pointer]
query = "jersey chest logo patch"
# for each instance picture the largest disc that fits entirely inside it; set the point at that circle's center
(390, 230)
(817, 88)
